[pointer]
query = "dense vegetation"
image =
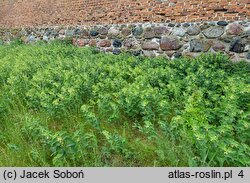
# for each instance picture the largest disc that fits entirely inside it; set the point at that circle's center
(67, 106)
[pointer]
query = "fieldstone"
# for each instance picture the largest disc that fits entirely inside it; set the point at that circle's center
(109, 49)
(69, 33)
(136, 52)
(150, 45)
(45, 38)
(94, 33)
(237, 45)
(117, 43)
(199, 46)
(179, 32)
(101, 36)
(77, 32)
(149, 53)
(186, 24)
(92, 42)
(81, 42)
(149, 33)
(222, 23)
(116, 51)
(130, 43)
(104, 43)
(137, 31)
(213, 32)
(171, 24)
(31, 38)
(159, 31)
(177, 55)
(102, 30)
(218, 46)
(212, 23)
(113, 32)
(193, 30)
(126, 31)
(234, 29)
(248, 55)
(170, 43)
(84, 33)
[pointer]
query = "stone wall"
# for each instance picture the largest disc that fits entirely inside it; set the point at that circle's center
(21, 13)
(150, 39)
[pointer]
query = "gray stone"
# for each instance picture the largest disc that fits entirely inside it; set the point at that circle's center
(248, 55)
(199, 46)
(193, 30)
(179, 32)
(170, 43)
(69, 33)
(137, 31)
(237, 45)
(77, 32)
(31, 38)
(177, 55)
(222, 23)
(117, 43)
(186, 24)
(130, 43)
(171, 24)
(116, 51)
(213, 32)
(137, 52)
(45, 38)
(150, 45)
(149, 33)
(94, 33)
(149, 53)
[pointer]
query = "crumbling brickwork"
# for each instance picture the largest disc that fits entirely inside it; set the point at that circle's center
(90, 12)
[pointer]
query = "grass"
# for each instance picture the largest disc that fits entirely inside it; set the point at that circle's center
(66, 106)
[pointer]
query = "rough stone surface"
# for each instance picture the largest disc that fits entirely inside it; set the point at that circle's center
(179, 32)
(105, 43)
(94, 33)
(199, 46)
(113, 32)
(218, 46)
(117, 43)
(248, 55)
(149, 33)
(222, 23)
(237, 45)
(193, 30)
(213, 32)
(234, 29)
(150, 46)
(170, 43)
(152, 39)
(137, 31)
(116, 51)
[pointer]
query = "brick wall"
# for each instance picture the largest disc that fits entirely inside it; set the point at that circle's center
(89, 12)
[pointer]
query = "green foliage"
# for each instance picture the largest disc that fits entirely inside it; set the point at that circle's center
(106, 110)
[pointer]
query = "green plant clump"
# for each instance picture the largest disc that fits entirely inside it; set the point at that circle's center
(66, 106)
